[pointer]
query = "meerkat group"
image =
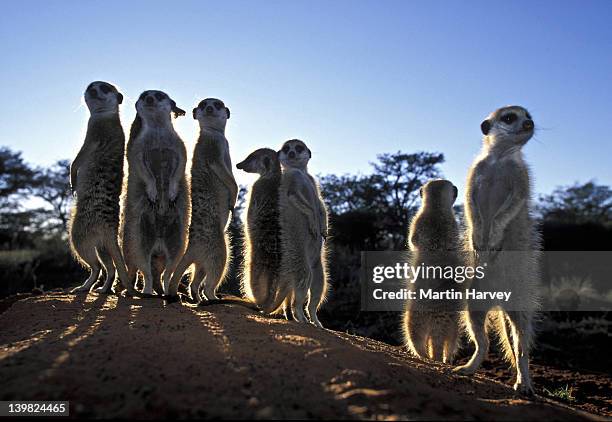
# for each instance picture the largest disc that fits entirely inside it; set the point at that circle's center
(168, 223)
(500, 233)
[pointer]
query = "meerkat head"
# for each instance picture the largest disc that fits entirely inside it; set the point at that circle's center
(294, 154)
(439, 193)
(212, 113)
(261, 161)
(155, 107)
(510, 126)
(102, 97)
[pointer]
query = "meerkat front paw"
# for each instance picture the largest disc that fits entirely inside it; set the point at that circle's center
(173, 191)
(152, 192)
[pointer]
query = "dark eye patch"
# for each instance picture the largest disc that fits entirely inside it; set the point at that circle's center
(509, 118)
(218, 105)
(286, 149)
(159, 96)
(299, 149)
(105, 89)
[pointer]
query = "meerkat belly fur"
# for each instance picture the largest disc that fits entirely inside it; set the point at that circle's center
(501, 233)
(156, 204)
(96, 177)
(432, 331)
(213, 196)
(303, 218)
(262, 229)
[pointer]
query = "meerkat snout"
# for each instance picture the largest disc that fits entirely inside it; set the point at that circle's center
(528, 124)
(260, 161)
(211, 110)
(294, 153)
(154, 104)
(102, 97)
(508, 126)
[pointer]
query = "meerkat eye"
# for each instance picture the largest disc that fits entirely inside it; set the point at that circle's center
(159, 96)
(299, 149)
(509, 118)
(218, 105)
(105, 89)
(286, 149)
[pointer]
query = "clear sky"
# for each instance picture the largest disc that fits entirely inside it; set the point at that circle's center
(351, 78)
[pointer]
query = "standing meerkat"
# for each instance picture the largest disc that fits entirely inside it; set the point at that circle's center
(156, 208)
(499, 224)
(432, 330)
(213, 195)
(262, 228)
(303, 218)
(96, 177)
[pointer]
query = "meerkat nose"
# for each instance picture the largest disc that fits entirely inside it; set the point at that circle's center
(292, 154)
(528, 124)
(209, 109)
(149, 100)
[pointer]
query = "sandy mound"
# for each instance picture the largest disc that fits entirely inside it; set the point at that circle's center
(119, 357)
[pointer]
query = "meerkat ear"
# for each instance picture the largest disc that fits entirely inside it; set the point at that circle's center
(456, 192)
(195, 110)
(485, 127)
(228, 112)
(119, 98)
(176, 111)
(309, 153)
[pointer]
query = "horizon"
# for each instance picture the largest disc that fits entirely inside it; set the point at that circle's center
(352, 81)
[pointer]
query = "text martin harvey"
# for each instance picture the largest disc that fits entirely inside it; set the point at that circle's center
(430, 294)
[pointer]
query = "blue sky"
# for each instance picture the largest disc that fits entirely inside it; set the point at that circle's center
(351, 78)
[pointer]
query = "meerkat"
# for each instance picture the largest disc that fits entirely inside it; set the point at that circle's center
(432, 331)
(303, 219)
(213, 195)
(497, 211)
(262, 228)
(156, 203)
(95, 177)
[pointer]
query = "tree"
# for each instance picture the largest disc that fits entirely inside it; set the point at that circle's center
(16, 179)
(578, 204)
(16, 182)
(398, 178)
(52, 184)
(385, 199)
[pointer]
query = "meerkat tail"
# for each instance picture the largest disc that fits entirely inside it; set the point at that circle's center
(416, 334)
(112, 247)
(231, 300)
(216, 263)
(276, 298)
(184, 263)
(498, 323)
(109, 267)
